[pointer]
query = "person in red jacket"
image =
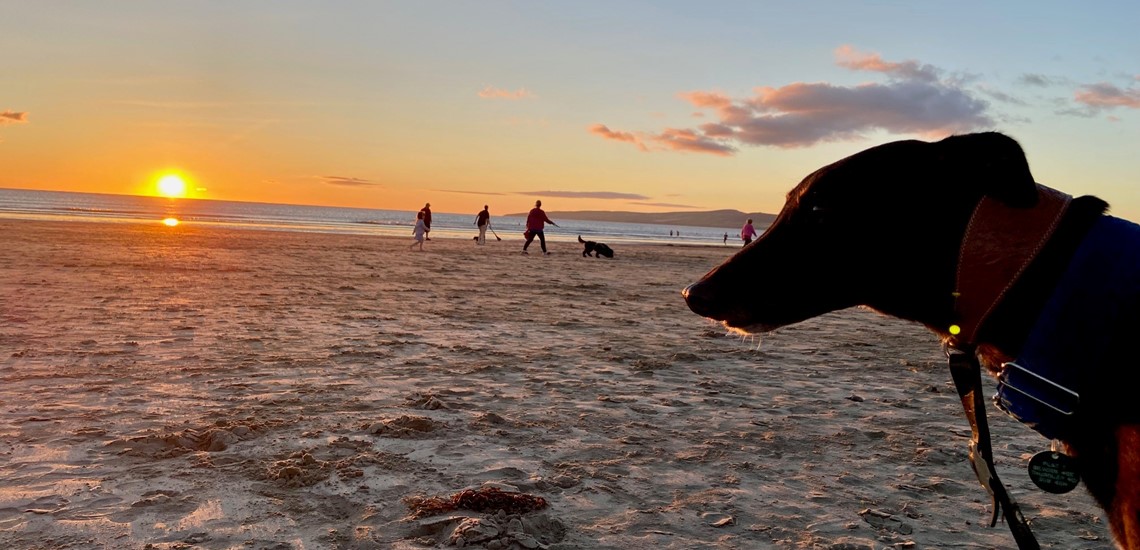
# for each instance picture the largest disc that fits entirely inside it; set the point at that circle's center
(535, 222)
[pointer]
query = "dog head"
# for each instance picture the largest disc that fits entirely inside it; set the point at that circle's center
(880, 228)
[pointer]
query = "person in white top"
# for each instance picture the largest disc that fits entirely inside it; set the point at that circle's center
(419, 232)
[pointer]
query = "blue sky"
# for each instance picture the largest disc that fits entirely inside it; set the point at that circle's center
(588, 105)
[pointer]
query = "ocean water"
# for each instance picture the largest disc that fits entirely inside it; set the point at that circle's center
(59, 205)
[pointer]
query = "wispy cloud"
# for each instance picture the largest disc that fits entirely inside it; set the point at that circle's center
(492, 193)
(587, 195)
(348, 182)
(691, 140)
(1001, 96)
(1038, 80)
(628, 137)
(915, 99)
(847, 56)
(1104, 96)
(667, 205)
(491, 92)
(13, 117)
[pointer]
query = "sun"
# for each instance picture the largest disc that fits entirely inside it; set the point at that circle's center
(172, 186)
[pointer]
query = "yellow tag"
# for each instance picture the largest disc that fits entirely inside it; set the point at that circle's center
(955, 329)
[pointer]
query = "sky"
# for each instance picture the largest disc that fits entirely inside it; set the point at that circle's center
(587, 105)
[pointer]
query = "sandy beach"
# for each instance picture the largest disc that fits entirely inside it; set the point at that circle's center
(188, 387)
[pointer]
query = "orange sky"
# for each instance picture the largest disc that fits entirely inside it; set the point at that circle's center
(588, 106)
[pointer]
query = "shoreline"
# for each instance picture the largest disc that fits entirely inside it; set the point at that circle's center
(380, 231)
(360, 229)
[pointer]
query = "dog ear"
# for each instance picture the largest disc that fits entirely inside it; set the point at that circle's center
(991, 162)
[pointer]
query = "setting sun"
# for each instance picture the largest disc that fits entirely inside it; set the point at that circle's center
(172, 185)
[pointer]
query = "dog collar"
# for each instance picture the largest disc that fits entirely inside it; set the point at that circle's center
(1000, 241)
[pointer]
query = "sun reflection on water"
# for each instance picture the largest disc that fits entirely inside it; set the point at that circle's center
(171, 222)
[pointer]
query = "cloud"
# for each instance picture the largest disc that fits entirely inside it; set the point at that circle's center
(12, 117)
(469, 192)
(915, 99)
(491, 92)
(347, 182)
(604, 131)
(693, 141)
(1038, 80)
(628, 137)
(1002, 97)
(1105, 96)
(611, 195)
(670, 139)
(846, 56)
(667, 205)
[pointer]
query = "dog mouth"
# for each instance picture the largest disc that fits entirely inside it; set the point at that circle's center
(732, 315)
(749, 328)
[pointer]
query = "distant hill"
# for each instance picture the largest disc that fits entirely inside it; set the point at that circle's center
(728, 219)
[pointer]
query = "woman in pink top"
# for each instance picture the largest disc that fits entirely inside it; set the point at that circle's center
(535, 222)
(747, 233)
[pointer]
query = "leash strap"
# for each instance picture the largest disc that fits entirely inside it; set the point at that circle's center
(967, 374)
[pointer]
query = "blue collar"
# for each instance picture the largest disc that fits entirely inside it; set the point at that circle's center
(1064, 353)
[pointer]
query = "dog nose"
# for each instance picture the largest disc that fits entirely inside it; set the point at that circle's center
(696, 298)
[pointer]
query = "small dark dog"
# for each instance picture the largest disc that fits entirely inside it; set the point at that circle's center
(596, 249)
(958, 236)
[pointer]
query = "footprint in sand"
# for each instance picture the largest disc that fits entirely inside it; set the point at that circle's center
(164, 503)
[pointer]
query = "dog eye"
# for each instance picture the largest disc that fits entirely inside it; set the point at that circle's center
(819, 214)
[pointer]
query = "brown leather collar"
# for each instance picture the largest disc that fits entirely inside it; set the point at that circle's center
(999, 243)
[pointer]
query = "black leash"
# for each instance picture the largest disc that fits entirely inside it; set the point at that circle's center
(967, 374)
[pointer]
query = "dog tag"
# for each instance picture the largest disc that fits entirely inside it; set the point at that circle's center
(1054, 472)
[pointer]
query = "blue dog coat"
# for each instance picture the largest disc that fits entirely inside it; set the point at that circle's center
(1065, 353)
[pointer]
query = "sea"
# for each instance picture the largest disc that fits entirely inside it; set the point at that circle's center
(64, 206)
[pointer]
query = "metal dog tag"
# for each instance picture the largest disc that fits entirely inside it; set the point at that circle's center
(1054, 472)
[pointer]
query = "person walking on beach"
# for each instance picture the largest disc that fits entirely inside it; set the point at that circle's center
(726, 238)
(419, 231)
(426, 211)
(535, 222)
(747, 233)
(483, 220)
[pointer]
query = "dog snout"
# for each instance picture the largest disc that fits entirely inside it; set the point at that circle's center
(698, 299)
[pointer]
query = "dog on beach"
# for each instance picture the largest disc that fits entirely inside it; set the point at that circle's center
(596, 249)
(1042, 288)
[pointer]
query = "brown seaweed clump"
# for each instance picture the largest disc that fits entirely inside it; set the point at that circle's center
(483, 499)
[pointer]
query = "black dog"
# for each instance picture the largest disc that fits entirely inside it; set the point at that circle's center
(596, 248)
(956, 235)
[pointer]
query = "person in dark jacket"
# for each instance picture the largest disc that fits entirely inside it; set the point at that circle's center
(483, 220)
(426, 210)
